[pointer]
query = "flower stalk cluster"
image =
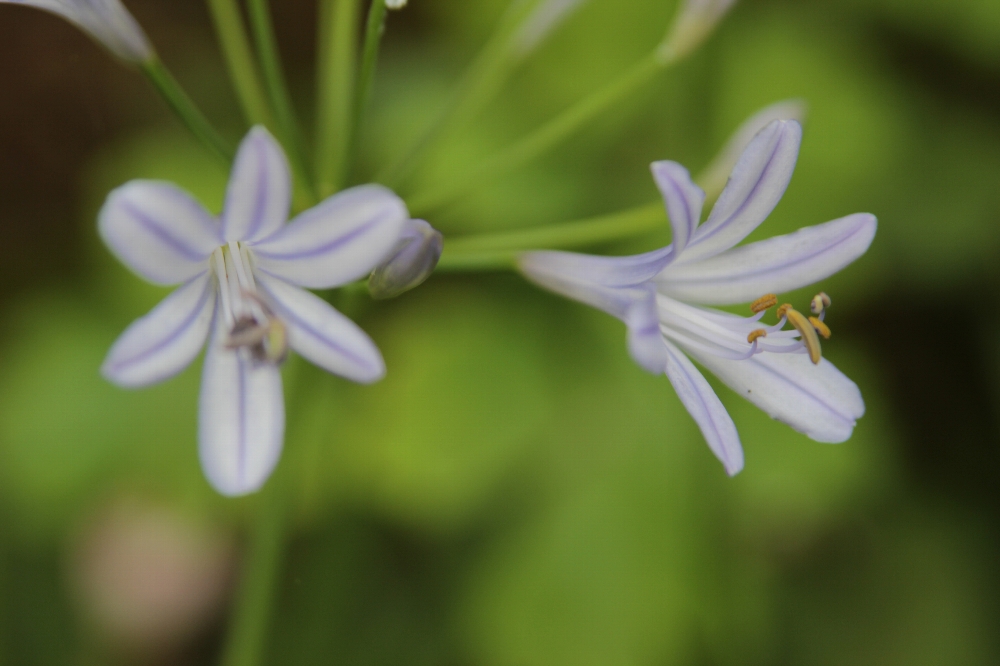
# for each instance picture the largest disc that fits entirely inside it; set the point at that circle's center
(243, 277)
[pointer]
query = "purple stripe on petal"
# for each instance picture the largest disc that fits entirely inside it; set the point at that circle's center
(154, 228)
(166, 340)
(331, 245)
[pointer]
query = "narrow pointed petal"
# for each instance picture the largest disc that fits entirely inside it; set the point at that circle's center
(324, 336)
(705, 408)
(683, 199)
(546, 270)
(645, 342)
(755, 187)
(715, 175)
(260, 189)
(166, 340)
(107, 21)
(774, 265)
(241, 419)
(158, 230)
(342, 239)
(817, 400)
(588, 269)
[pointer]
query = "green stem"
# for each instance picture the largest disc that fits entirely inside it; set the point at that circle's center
(335, 68)
(499, 250)
(240, 61)
(544, 138)
(189, 114)
(251, 618)
(480, 82)
(374, 27)
(281, 101)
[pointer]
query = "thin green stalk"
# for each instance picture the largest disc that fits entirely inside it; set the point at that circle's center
(337, 60)
(240, 61)
(480, 82)
(374, 27)
(544, 138)
(251, 618)
(281, 101)
(189, 114)
(499, 250)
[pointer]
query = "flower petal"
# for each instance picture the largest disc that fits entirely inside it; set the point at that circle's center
(705, 408)
(683, 199)
(166, 340)
(260, 189)
(158, 230)
(323, 335)
(645, 342)
(107, 21)
(817, 400)
(241, 419)
(544, 269)
(715, 175)
(774, 265)
(755, 187)
(338, 241)
(590, 269)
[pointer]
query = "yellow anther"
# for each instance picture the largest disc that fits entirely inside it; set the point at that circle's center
(819, 303)
(808, 333)
(756, 333)
(765, 302)
(820, 327)
(783, 310)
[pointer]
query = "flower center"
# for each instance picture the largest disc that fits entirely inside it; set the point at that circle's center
(809, 328)
(251, 322)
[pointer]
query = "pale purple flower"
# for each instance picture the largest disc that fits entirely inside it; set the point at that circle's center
(659, 295)
(240, 277)
(107, 21)
(696, 19)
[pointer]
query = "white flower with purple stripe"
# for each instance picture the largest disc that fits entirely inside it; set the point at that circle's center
(240, 277)
(107, 21)
(659, 295)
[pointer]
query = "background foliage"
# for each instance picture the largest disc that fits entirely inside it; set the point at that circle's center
(517, 491)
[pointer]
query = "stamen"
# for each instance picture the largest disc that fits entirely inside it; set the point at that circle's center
(805, 327)
(822, 328)
(267, 341)
(756, 333)
(783, 310)
(765, 302)
(819, 303)
(220, 274)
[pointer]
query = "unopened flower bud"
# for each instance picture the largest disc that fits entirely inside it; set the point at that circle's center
(107, 21)
(694, 22)
(410, 263)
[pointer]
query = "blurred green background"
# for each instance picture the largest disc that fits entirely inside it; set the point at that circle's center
(517, 492)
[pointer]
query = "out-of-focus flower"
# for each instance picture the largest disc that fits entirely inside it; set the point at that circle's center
(695, 21)
(107, 21)
(545, 18)
(713, 178)
(658, 295)
(148, 578)
(395, 4)
(240, 272)
(411, 262)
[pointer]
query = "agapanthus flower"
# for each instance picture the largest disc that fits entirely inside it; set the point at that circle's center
(660, 295)
(240, 276)
(107, 21)
(694, 22)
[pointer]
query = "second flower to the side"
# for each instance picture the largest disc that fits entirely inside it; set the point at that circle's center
(241, 276)
(659, 295)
